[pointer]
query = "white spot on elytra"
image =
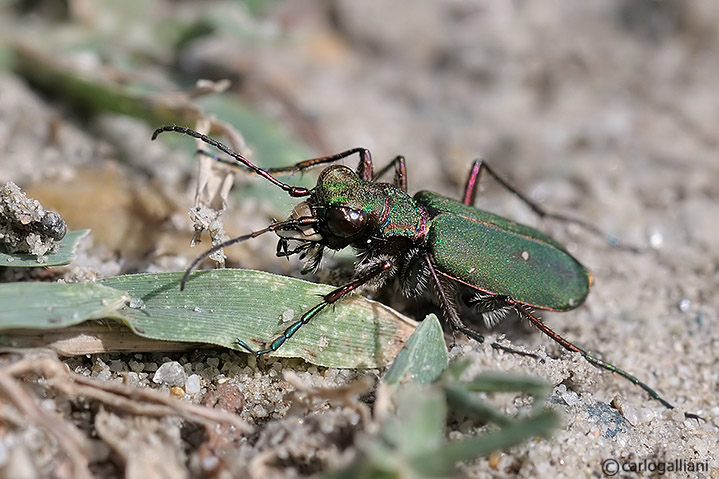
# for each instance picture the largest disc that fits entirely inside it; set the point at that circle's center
(525, 255)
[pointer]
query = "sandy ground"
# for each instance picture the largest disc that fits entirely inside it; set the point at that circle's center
(608, 112)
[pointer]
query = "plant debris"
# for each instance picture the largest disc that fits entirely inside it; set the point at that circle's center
(119, 397)
(27, 227)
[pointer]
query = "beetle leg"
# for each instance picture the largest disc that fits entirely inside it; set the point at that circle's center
(470, 195)
(470, 187)
(330, 298)
(448, 308)
(510, 350)
(475, 174)
(525, 313)
(493, 308)
(364, 166)
(400, 172)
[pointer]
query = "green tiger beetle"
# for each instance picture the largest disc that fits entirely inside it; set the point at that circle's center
(426, 241)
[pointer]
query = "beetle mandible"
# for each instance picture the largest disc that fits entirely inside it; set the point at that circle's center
(426, 241)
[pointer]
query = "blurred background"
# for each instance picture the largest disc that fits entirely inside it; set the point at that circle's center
(595, 109)
(608, 111)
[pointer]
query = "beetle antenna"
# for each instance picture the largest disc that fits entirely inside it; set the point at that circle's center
(290, 224)
(294, 191)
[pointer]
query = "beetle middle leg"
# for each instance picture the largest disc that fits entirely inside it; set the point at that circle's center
(470, 195)
(495, 303)
(448, 308)
(523, 311)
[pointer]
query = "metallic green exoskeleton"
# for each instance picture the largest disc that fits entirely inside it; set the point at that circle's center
(425, 241)
(501, 257)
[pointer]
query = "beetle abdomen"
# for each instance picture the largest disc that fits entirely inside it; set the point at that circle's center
(518, 261)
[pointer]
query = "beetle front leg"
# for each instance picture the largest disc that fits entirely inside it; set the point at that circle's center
(364, 169)
(330, 298)
(400, 172)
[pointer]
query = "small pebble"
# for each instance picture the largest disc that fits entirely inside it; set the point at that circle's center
(192, 385)
(170, 373)
(177, 391)
(571, 398)
(117, 366)
(626, 409)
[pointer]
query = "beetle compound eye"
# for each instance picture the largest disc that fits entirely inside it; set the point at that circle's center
(345, 222)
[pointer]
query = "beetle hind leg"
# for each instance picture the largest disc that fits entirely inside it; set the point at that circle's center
(492, 307)
(470, 195)
(524, 312)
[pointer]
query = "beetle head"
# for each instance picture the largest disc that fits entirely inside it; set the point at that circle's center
(340, 203)
(338, 220)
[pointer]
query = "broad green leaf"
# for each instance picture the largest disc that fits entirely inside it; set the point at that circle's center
(419, 425)
(35, 305)
(220, 306)
(424, 357)
(64, 254)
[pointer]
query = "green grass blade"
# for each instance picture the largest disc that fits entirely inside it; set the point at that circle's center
(445, 458)
(35, 305)
(220, 306)
(424, 357)
(460, 400)
(64, 254)
(493, 381)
